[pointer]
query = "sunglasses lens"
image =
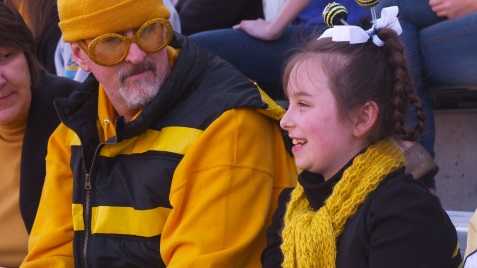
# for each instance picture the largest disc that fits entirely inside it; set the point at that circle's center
(153, 37)
(110, 50)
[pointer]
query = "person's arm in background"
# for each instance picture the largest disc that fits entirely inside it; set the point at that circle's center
(272, 30)
(453, 8)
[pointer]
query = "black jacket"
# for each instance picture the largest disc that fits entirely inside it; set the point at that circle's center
(42, 120)
(400, 224)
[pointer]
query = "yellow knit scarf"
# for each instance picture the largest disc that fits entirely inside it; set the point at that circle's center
(309, 237)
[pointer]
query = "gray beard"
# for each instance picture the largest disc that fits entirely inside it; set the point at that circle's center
(140, 93)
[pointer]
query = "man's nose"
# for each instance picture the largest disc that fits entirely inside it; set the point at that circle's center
(135, 54)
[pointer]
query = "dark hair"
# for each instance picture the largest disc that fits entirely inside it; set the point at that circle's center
(15, 34)
(365, 72)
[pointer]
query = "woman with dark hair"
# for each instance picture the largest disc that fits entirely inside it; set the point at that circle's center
(27, 118)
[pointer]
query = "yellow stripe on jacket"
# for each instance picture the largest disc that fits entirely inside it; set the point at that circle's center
(122, 220)
(169, 139)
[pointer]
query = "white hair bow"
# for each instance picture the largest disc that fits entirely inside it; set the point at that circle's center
(357, 35)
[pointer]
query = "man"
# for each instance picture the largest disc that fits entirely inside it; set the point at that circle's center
(166, 157)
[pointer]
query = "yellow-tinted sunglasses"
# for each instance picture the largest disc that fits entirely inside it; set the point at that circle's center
(112, 48)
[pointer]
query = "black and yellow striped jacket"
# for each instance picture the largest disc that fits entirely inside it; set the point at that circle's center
(191, 182)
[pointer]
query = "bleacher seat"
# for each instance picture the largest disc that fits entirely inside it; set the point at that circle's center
(454, 97)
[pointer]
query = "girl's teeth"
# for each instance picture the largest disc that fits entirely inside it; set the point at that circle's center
(298, 141)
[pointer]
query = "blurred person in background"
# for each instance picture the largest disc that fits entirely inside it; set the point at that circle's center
(203, 15)
(260, 48)
(41, 17)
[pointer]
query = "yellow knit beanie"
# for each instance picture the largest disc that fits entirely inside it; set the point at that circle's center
(86, 19)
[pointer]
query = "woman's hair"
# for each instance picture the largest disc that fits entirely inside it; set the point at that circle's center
(365, 72)
(15, 34)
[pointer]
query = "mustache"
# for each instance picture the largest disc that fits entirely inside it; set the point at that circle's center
(136, 69)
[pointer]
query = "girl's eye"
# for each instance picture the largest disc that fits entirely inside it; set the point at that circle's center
(303, 104)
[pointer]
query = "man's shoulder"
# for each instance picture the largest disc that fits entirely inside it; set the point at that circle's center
(246, 124)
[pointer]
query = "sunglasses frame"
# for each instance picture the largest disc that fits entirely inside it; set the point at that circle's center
(92, 45)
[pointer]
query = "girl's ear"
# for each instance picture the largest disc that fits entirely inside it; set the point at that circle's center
(364, 119)
(79, 56)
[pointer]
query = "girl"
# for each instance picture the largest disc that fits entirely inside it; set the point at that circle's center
(354, 205)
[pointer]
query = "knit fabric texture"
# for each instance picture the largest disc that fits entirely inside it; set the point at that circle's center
(87, 19)
(309, 236)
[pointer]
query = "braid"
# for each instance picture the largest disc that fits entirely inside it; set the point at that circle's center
(420, 115)
(403, 93)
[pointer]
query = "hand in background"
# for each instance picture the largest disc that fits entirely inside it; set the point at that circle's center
(453, 8)
(272, 30)
(260, 29)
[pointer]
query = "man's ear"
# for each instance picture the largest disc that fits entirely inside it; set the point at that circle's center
(79, 56)
(365, 118)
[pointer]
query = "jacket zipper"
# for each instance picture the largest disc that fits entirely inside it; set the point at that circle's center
(88, 188)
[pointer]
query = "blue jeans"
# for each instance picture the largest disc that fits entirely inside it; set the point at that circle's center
(262, 61)
(439, 52)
